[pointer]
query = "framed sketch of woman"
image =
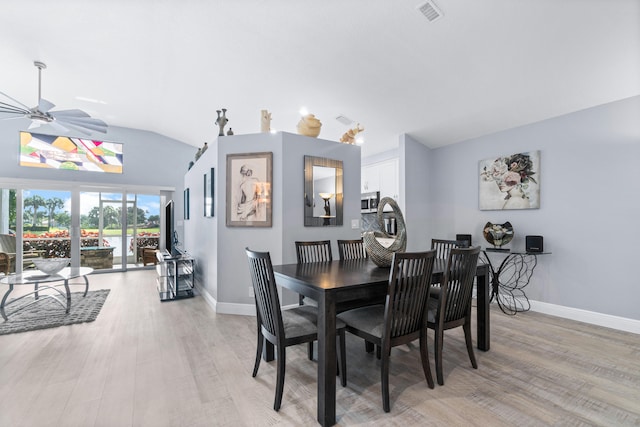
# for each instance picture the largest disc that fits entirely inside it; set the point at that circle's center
(249, 178)
(510, 182)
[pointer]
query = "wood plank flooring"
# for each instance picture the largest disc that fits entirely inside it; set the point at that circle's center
(146, 363)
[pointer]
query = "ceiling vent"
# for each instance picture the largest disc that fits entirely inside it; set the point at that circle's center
(430, 11)
(344, 120)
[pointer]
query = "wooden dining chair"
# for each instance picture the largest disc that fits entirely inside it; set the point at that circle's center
(5, 263)
(402, 319)
(351, 249)
(453, 307)
(284, 328)
(312, 251)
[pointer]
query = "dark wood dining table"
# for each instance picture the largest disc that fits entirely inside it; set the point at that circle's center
(337, 284)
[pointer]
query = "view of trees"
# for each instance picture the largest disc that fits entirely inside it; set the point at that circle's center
(47, 212)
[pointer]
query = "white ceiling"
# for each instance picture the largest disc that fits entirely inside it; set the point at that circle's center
(167, 65)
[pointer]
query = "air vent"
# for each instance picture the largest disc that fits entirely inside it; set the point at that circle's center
(344, 120)
(430, 11)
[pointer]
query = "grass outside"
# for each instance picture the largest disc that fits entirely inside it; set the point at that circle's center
(106, 232)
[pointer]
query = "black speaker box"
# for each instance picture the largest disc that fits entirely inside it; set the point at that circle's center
(464, 238)
(534, 244)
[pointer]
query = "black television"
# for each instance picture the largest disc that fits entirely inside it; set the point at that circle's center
(169, 233)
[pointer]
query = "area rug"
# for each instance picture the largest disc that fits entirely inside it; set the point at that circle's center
(47, 313)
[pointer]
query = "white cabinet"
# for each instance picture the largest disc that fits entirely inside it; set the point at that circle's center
(382, 177)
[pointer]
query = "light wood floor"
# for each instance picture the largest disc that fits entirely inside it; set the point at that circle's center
(146, 363)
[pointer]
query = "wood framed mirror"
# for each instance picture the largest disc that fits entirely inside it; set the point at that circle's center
(323, 192)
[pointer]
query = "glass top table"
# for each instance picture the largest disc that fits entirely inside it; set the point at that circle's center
(41, 282)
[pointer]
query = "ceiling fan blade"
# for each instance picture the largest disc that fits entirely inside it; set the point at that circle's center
(69, 113)
(8, 108)
(14, 100)
(71, 126)
(44, 105)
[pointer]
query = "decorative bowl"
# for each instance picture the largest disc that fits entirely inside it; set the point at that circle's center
(498, 234)
(50, 265)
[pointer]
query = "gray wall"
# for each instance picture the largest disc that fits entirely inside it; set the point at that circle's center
(219, 250)
(588, 216)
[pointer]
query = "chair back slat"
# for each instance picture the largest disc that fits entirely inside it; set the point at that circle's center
(351, 249)
(458, 283)
(314, 251)
(443, 247)
(409, 283)
(266, 294)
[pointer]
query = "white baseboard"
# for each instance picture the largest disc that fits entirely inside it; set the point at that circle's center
(226, 308)
(600, 319)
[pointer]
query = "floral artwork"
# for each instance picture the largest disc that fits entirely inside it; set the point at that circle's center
(510, 182)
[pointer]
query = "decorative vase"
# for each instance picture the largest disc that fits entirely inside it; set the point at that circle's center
(230, 132)
(265, 121)
(380, 255)
(221, 121)
(498, 234)
(309, 126)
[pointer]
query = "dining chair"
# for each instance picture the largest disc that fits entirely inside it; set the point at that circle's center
(284, 328)
(402, 319)
(312, 251)
(443, 247)
(453, 308)
(351, 249)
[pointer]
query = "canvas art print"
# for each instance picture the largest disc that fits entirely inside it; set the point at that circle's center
(510, 182)
(249, 190)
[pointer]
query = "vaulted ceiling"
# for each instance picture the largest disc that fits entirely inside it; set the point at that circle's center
(167, 65)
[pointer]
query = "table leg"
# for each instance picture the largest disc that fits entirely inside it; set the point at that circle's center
(4, 300)
(482, 311)
(66, 288)
(327, 360)
(35, 288)
(86, 285)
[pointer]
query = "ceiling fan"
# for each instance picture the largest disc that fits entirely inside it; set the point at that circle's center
(41, 114)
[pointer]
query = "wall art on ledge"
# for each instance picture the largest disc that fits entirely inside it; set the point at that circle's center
(249, 177)
(510, 182)
(208, 193)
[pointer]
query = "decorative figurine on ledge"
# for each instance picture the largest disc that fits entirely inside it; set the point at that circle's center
(265, 121)
(349, 136)
(222, 121)
(309, 126)
(230, 132)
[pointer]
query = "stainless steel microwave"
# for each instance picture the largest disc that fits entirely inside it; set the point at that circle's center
(369, 202)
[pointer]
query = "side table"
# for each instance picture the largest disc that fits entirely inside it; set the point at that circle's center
(511, 277)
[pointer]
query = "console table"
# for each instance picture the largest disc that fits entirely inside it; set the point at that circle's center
(511, 277)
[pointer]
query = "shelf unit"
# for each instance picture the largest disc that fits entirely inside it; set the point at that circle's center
(175, 276)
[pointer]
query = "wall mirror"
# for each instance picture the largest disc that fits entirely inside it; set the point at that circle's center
(322, 191)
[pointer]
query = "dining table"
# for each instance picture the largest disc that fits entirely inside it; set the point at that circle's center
(342, 284)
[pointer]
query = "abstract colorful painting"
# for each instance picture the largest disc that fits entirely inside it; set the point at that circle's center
(70, 153)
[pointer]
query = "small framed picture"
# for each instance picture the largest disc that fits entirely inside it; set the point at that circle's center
(249, 177)
(209, 193)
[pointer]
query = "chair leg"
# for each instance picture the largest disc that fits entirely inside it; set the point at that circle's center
(342, 358)
(310, 350)
(467, 337)
(384, 378)
(258, 352)
(424, 356)
(378, 352)
(280, 377)
(438, 353)
(368, 346)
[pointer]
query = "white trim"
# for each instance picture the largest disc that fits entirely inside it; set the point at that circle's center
(26, 183)
(226, 308)
(600, 319)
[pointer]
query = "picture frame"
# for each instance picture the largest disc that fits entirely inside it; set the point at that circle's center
(186, 203)
(209, 193)
(248, 189)
(509, 182)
